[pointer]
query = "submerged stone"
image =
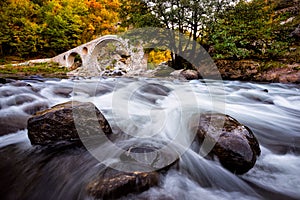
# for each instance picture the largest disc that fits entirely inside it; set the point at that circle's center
(57, 123)
(112, 184)
(190, 74)
(137, 167)
(231, 142)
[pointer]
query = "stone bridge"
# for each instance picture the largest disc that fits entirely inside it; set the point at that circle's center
(85, 51)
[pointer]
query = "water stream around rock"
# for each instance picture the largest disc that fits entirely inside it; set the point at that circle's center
(157, 108)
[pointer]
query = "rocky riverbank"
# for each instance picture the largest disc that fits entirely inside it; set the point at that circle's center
(250, 70)
(244, 70)
(23, 70)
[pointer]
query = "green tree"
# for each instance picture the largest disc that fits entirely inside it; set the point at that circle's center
(102, 18)
(136, 14)
(61, 25)
(18, 27)
(250, 29)
(190, 17)
(40, 28)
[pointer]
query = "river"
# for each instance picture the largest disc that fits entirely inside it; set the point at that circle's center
(157, 108)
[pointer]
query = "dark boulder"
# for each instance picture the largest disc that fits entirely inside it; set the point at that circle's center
(151, 93)
(63, 91)
(20, 99)
(35, 107)
(20, 84)
(58, 123)
(232, 143)
(189, 74)
(140, 165)
(139, 168)
(112, 184)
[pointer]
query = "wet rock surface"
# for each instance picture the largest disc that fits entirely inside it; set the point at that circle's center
(63, 91)
(232, 143)
(151, 93)
(112, 184)
(140, 167)
(43, 169)
(57, 123)
(189, 74)
(20, 99)
(37, 106)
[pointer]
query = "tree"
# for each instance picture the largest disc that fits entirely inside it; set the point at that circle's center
(102, 18)
(61, 25)
(43, 28)
(250, 29)
(136, 14)
(18, 28)
(190, 17)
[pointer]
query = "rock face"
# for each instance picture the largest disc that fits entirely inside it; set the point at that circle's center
(112, 184)
(235, 146)
(190, 74)
(249, 70)
(138, 169)
(238, 70)
(289, 74)
(57, 123)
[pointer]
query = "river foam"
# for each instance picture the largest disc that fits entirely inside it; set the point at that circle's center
(271, 111)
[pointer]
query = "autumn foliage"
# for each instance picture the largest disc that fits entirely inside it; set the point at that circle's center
(255, 29)
(44, 28)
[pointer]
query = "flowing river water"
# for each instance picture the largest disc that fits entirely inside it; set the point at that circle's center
(149, 107)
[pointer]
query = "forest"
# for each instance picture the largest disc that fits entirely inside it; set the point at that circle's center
(257, 29)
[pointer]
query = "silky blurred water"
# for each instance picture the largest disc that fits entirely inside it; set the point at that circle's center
(153, 108)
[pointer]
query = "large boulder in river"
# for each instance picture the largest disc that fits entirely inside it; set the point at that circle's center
(232, 143)
(138, 168)
(112, 184)
(57, 123)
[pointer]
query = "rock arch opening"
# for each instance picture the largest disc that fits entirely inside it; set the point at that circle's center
(74, 60)
(110, 54)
